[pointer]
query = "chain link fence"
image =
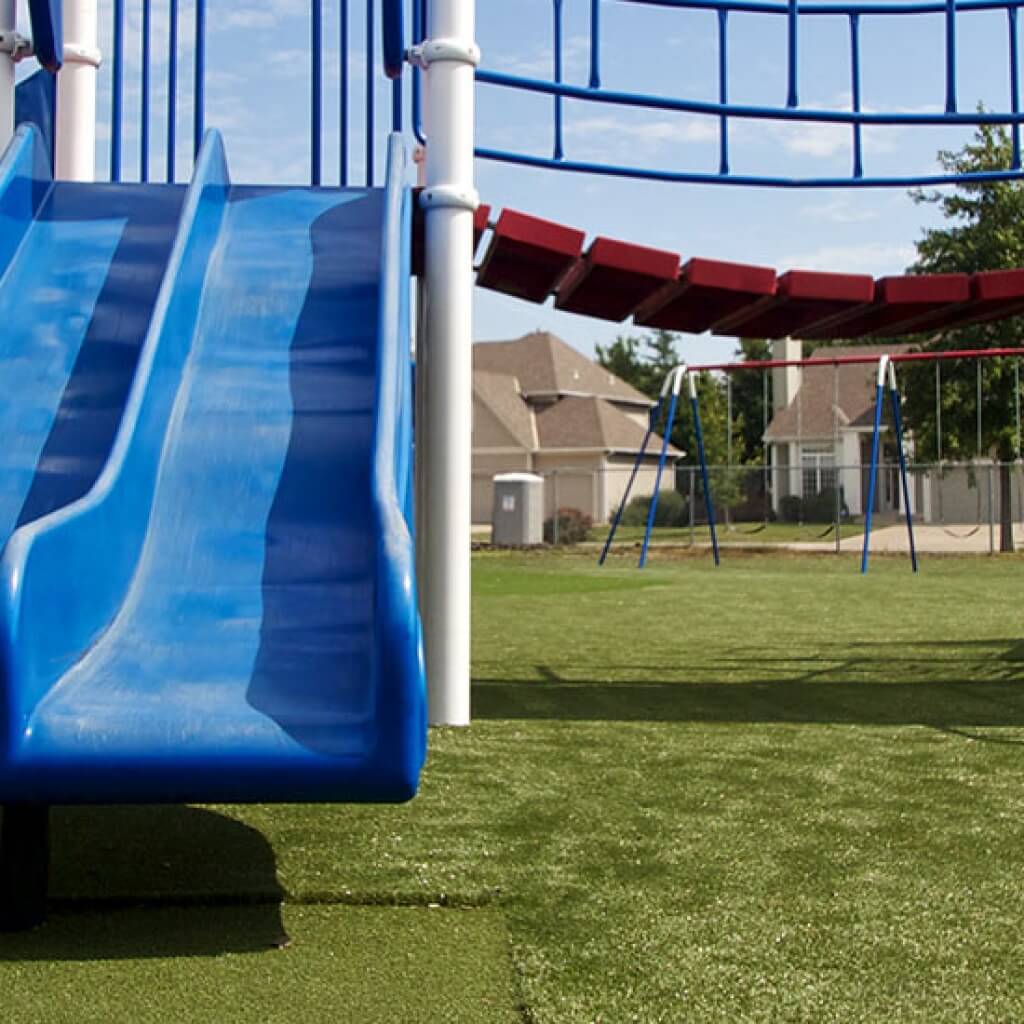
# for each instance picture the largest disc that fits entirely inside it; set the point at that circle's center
(967, 507)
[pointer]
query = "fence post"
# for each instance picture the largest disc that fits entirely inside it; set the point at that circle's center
(693, 492)
(991, 512)
(554, 513)
(449, 55)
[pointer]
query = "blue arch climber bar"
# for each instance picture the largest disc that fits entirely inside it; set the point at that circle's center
(794, 12)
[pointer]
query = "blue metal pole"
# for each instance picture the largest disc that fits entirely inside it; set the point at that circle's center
(723, 90)
(950, 56)
(172, 90)
(872, 478)
(316, 105)
(117, 92)
(655, 413)
(792, 99)
(559, 150)
(898, 423)
(343, 111)
(657, 479)
(858, 156)
(1011, 13)
(371, 4)
(708, 503)
(595, 44)
(145, 98)
(199, 114)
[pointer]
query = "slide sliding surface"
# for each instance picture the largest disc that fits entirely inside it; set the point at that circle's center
(266, 645)
(81, 268)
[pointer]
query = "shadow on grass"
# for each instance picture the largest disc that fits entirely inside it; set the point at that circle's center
(131, 882)
(870, 684)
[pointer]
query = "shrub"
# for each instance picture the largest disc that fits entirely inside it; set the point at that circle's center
(819, 508)
(672, 510)
(573, 526)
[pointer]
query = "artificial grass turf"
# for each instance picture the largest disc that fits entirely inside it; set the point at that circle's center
(362, 964)
(777, 791)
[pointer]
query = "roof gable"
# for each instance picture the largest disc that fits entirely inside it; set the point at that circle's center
(546, 365)
(810, 413)
(592, 423)
(499, 394)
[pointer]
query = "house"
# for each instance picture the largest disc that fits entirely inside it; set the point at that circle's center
(540, 406)
(821, 429)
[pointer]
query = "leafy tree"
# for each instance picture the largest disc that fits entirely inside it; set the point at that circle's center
(748, 394)
(984, 231)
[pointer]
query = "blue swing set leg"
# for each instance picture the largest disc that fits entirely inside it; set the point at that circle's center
(885, 369)
(655, 414)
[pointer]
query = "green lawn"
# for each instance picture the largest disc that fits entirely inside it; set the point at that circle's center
(776, 791)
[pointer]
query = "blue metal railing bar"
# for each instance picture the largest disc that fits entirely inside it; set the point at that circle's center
(713, 178)
(316, 104)
(199, 113)
(828, 9)
(144, 132)
(723, 91)
(370, 111)
(117, 92)
(172, 89)
(816, 115)
(559, 149)
(393, 34)
(950, 56)
(343, 97)
(792, 98)
(858, 152)
(1011, 15)
(419, 28)
(595, 44)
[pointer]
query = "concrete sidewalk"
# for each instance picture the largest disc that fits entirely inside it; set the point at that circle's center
(928, 539)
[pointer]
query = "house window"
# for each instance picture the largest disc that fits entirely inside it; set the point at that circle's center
(817, 470)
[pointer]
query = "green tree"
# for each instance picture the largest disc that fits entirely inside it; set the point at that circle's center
(750, 388)
(984, 230)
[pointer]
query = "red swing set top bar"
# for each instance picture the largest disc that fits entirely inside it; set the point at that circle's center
(902, 357)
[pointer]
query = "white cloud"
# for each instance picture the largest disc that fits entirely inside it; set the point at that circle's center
(875, 258)
(844, 209)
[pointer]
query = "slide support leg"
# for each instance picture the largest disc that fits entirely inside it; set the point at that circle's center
(24, 866)
(449, 198)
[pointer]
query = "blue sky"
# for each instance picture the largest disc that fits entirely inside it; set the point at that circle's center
(258, 95)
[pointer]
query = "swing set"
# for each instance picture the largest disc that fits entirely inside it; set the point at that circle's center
(667, 403)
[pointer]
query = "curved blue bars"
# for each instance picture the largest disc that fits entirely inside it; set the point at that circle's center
(724, 111)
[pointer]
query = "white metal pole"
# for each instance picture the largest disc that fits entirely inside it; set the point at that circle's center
(449, 56)
(76, 93)
(8, 21)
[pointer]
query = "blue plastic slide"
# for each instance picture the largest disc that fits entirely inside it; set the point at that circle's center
(80, 267)
(227, 612)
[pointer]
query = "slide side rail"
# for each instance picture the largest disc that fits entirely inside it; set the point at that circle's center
(64, 577)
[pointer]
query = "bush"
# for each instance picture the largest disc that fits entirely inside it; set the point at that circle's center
(819, 508)
(672, 510)
(573, 526)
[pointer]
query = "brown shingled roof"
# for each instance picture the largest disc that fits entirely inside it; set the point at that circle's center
(810, 415)
(545, 365)
(592, 423)
(500, 393)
